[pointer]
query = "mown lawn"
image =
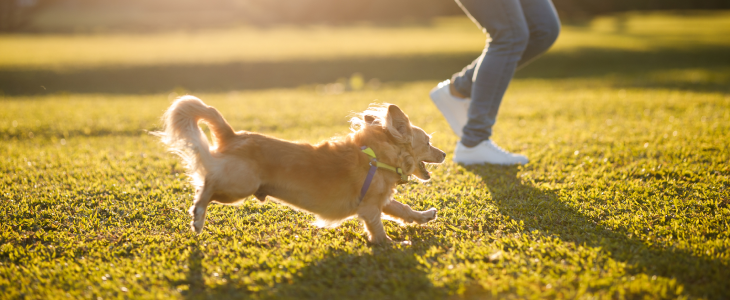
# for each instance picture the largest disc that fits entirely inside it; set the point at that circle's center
(626, 194)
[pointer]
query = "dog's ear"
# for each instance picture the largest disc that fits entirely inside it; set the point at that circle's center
(371, 120)
(399, 126)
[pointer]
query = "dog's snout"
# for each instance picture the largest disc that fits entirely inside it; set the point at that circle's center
(436, 156)
(441, 156)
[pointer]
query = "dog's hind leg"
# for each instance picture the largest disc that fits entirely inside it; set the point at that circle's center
(404, 213)
(370, 215)
(200, 207)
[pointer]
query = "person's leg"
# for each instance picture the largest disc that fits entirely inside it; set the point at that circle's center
(505, 22)
(452, 97)
(461, 82)
(544, 27)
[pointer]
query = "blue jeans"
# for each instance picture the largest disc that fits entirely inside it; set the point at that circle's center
(520, 30)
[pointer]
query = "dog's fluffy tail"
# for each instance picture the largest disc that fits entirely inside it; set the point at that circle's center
(184, 138)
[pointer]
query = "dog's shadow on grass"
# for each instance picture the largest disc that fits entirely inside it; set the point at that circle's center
(542, 210)
(385, 272)
(382, 271)
(195, 276)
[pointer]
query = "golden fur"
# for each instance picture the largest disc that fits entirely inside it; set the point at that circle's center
(324, 179)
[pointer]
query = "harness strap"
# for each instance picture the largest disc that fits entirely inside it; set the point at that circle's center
(374, 165)
(368, 181)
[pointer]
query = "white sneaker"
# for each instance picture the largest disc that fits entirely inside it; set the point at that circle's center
(453, 108)
(486, 152)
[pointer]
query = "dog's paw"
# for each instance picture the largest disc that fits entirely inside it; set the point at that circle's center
(427, 216)
(380, 240)
(198, 219)
(197, 227)
(431, 212)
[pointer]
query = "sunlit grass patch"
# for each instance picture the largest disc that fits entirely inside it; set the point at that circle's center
(453, 35)
(648, 31)
(626, 195)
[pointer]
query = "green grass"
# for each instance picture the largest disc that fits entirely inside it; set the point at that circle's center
(633, 31)
(626, 195)
(680, 48)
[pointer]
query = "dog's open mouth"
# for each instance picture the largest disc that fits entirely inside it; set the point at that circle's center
(422, 165)
(424, 172)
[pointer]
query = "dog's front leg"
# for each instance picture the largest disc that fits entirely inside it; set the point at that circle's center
(370, 215)
(406, 214)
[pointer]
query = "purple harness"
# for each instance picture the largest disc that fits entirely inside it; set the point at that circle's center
(374, 165)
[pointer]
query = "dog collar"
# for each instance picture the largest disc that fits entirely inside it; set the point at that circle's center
(374, 165)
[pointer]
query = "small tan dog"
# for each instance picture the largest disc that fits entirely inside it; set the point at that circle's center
(335, 180)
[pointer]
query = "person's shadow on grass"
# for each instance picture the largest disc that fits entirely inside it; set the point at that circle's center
(394, 272)
(701, 277)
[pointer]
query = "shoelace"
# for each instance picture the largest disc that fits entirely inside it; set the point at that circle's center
(499, 148)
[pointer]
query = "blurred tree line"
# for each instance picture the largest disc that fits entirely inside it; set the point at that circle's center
(15, 15)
